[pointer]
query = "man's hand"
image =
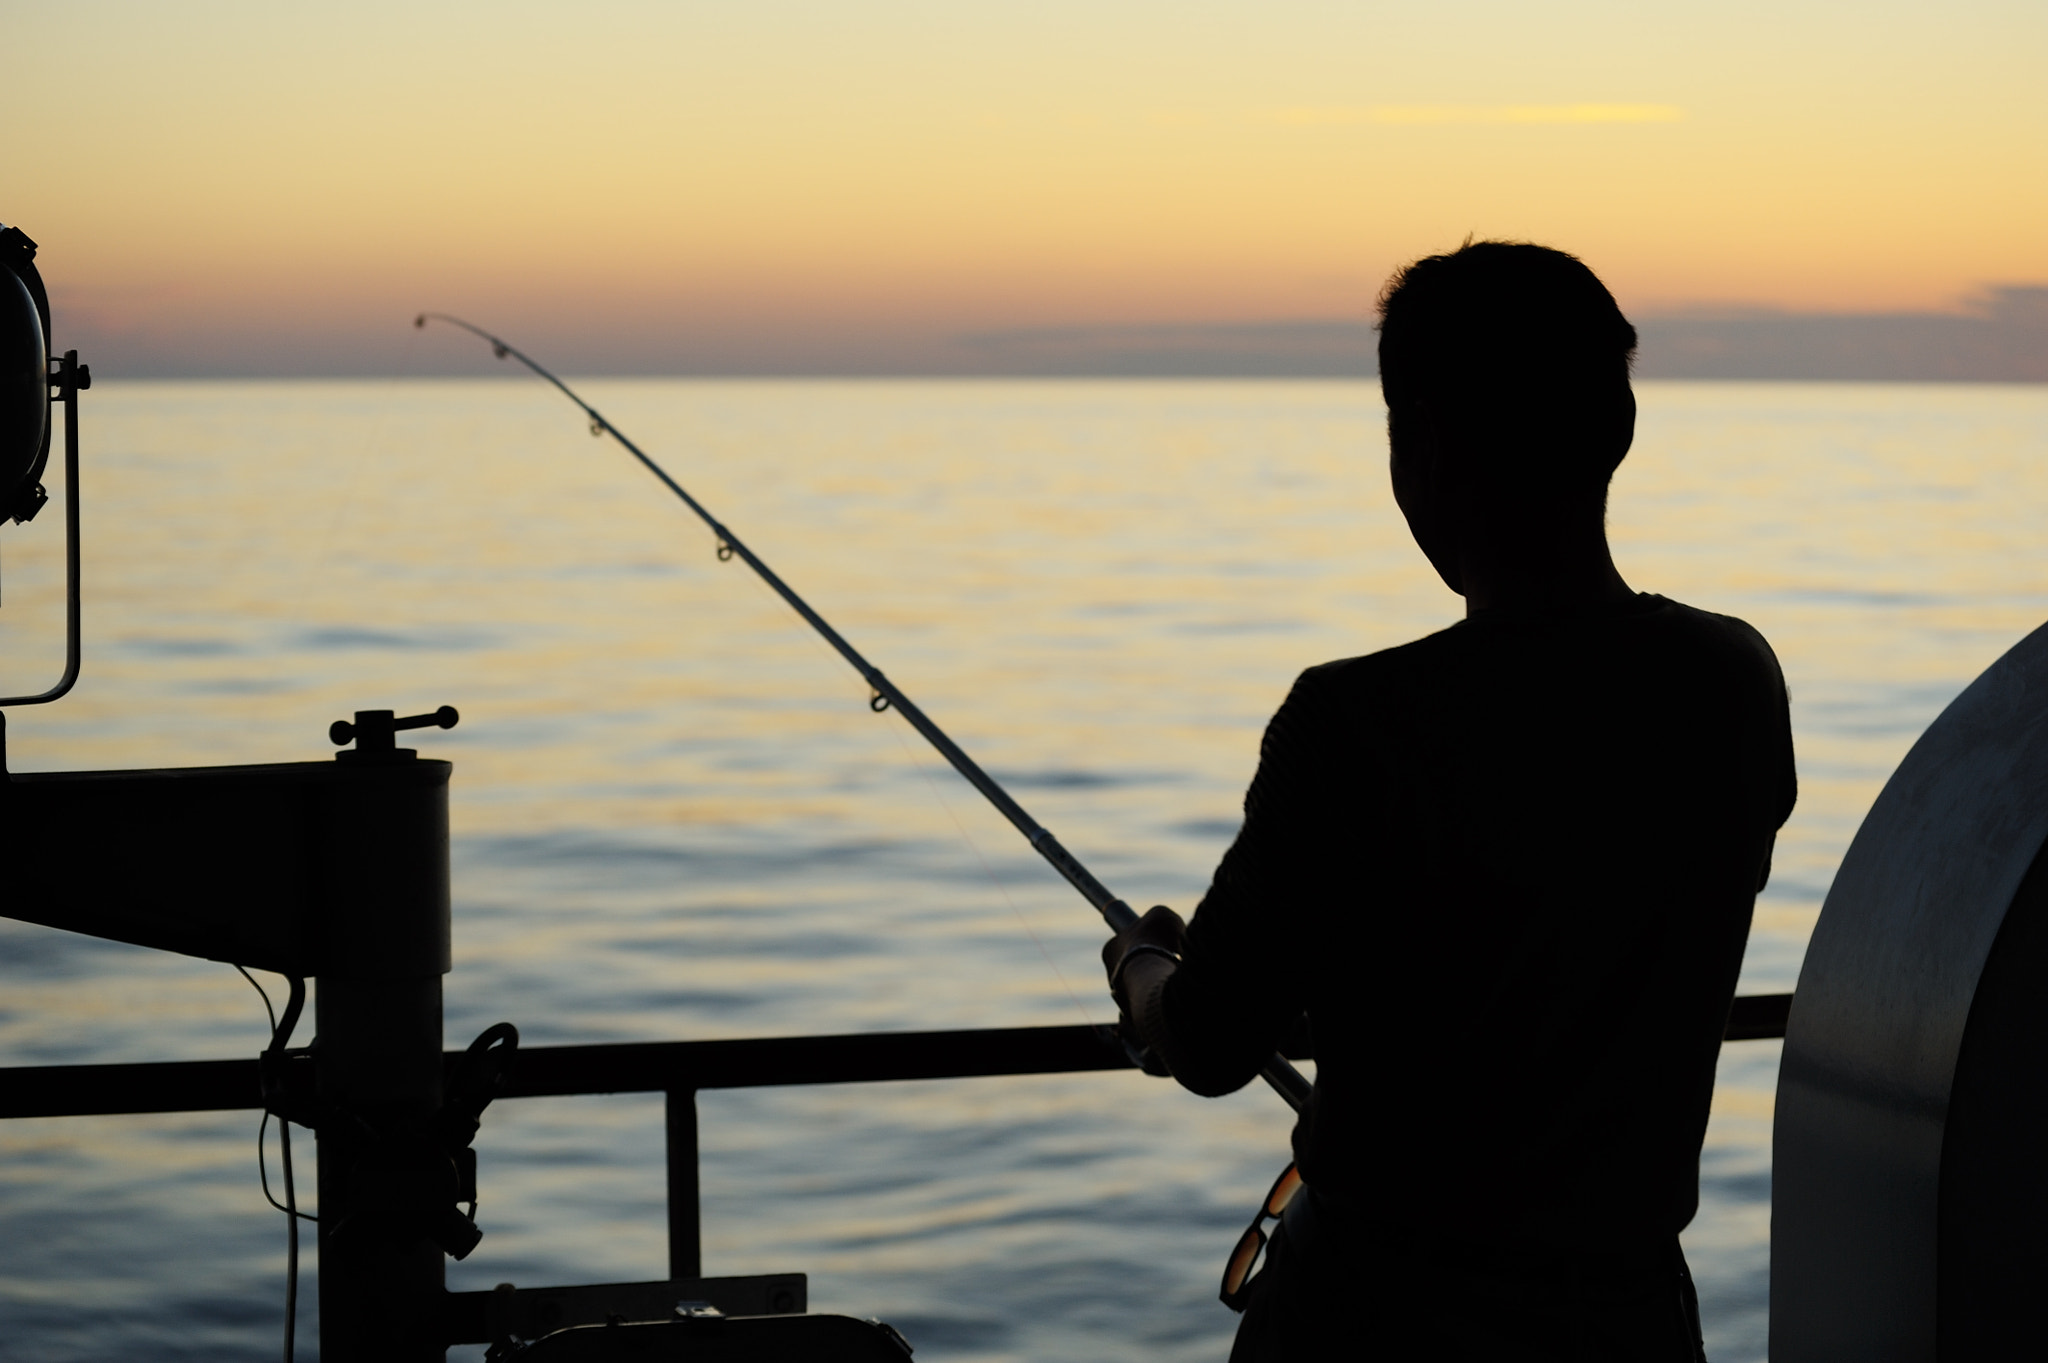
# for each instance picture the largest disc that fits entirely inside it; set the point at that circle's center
(1139, 960)
(1160, 932)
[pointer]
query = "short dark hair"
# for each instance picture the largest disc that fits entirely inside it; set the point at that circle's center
(1522, 349)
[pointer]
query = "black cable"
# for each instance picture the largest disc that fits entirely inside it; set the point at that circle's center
(291, 1254)
(263, 1127)
(294, 1004)
(263, 1175)
(280, 1036)
(263, 994)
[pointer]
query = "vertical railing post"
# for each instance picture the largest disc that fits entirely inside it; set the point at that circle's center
(685, 1247)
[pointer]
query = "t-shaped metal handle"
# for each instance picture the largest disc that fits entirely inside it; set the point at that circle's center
(375, 731)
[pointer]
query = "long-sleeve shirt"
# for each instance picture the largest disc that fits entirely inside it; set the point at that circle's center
(1508, 871)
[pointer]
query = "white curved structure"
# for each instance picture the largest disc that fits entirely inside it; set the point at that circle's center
(1910, 1184)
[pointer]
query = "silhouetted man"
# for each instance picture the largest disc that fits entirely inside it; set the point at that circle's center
(1507, 870)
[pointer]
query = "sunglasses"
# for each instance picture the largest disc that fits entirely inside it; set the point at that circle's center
(1237, 1273)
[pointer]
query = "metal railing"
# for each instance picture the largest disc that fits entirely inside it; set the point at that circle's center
(678, 1069)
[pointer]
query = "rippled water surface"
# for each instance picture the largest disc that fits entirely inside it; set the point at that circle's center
(674, 816)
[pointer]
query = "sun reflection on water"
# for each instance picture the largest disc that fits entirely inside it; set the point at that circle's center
(675, 817)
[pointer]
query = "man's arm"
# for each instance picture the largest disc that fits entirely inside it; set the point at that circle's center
(1211, 1000)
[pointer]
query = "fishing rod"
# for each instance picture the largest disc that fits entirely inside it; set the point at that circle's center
(883, 694)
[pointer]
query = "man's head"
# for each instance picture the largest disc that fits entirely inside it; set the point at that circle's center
(1505, 368)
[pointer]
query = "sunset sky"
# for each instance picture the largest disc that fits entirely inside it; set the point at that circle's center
(232, 187)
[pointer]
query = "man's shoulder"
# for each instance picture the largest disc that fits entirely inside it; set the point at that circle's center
(1389, 667)
(1711, 638)
(1650, 626)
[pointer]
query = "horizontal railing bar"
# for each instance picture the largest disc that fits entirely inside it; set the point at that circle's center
(1758, 1017)
(622, 1067)
(860, 1058)
(661, 1066)
(99, 1090)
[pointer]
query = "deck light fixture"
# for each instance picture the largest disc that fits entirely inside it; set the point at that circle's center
(31, 382)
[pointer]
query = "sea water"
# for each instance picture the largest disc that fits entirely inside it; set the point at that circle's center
(674, 816)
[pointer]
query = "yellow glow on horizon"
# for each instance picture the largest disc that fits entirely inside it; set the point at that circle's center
(1481, 113)
(796, 168)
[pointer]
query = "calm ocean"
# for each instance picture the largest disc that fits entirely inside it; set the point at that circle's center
(674, 816)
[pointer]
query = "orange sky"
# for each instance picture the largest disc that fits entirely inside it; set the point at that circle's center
(760, 178)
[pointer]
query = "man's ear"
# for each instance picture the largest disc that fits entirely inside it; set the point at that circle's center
(1426, 489)
(1406, 438)
(1449, 456)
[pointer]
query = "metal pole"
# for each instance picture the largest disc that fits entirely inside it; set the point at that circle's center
(685, 1234)
(384, 945)
(380, 1061)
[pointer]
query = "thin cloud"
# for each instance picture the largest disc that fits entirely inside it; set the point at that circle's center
(1476, 113)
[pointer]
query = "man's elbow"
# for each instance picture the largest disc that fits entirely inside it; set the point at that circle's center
(1207, 1086)
(1207, 1073)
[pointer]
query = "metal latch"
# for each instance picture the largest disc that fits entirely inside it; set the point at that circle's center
(374, 733)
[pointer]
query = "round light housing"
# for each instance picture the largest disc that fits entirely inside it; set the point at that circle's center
(24, 388)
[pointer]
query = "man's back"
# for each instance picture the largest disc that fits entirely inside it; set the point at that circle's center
(1508, 870)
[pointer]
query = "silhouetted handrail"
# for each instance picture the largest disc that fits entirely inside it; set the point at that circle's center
(1285, 1079)
(1757, 1017)
(662, 1066)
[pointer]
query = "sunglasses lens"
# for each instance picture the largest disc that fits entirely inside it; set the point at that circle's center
(1283, 1191)
(1241, 1260)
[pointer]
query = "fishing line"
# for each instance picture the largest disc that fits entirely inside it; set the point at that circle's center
(910, 756)
(344, 504)
(884, 694)
(988, 872)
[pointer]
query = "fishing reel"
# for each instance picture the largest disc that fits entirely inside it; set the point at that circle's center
(32, 383)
